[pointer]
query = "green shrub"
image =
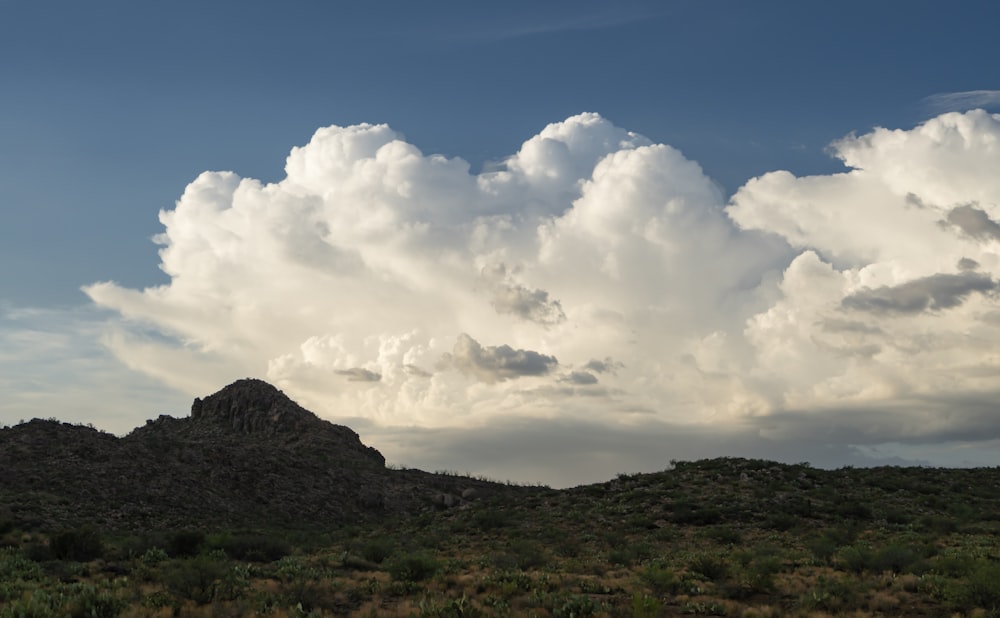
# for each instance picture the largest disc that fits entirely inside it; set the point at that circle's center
(81, 545)
(855, 510)
(954, 565)
(490, 519)
(90, 602)
(644, 606)
(195, 578)
(726, 535)
(898, 517)
(15, 566)
(528, 554)
(688, 514)
(185, 543)
(982, 588)
(661, 579)
(938, 524)
(254, 547)
(413, 567)
(857, 558)
(574, 606)
(896, 558)
(627, 554)
(712, 568)
(782, 522)
(377, 550)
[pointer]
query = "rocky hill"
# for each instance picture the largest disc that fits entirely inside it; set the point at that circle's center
(246, 456)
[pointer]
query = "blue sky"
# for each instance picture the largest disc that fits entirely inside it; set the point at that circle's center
(110, 109)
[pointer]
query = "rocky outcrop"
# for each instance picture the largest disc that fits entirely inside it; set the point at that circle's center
(246, 456)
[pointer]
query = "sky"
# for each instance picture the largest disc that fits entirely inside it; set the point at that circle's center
(541, 242)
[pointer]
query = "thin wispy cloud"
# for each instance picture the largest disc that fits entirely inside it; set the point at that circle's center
(962, 101)
(534, 26)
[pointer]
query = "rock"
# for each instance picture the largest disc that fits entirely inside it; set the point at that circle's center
(247, 456)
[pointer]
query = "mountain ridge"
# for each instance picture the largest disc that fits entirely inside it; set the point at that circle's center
(247, 455)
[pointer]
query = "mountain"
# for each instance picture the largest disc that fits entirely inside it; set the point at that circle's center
(246, 456)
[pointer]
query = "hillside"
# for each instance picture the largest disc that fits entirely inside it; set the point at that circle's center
(247, 455)
(252, 506)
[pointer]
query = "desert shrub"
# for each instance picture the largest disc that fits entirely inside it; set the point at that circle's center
(90, 602)
(569, 546)
(688, 514)
(855, 510)
(16, 566)
(726, 535)
(195, 578)
(982, 588)
(898, 517)
(781, 522)
(661, 579)
(856, 558)
(573, 606)
(35, 604)
(954, 565)
(938, 524)
(645, 606)
(254, 547)
(412, 567)
(185, 543)
(830, 594)
(758, 577)
(460, 607)
(153, 556)
(712, 568)
(491, 519)
(80, 545)
(627, 554)
(528, 554)
(897, 558)
(377, 550)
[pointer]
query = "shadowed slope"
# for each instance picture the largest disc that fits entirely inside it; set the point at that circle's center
(248, 455)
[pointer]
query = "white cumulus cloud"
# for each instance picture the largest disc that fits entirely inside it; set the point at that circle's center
(381, 283)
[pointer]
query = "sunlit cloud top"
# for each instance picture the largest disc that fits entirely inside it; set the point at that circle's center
(595, 276)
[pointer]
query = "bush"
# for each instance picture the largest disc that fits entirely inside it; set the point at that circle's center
(782, 522)
(855, 510)
(195, 578)
(857, 558)
(695, 516)
(378, 550)
(14, 566)
(982, 588)
(712, 568)
(823, 548)
(89, 602)
(575, 606)
(661, 580)
(528, 554)
(644, 606)
(627, 554)
(896, 558)
(726, 535)
(185, 543)
(413, 568)
(490, 520)
(81, 545)
(254, 548)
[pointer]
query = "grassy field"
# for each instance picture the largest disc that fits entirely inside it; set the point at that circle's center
(723, 537)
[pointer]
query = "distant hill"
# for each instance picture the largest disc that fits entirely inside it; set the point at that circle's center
(246, 456)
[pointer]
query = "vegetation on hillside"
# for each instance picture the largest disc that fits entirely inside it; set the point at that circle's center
(722, 537)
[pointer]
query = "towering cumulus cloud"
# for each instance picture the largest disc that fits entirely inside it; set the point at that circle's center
(375, 280)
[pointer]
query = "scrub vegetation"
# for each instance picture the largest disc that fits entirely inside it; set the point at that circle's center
(721, 537)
